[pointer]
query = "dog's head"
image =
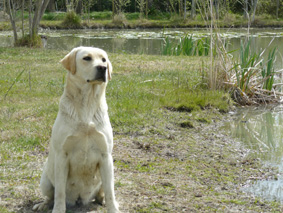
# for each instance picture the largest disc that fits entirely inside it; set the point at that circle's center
(89, 64)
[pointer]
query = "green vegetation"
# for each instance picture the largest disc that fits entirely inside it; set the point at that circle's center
(27, 41)
(253, 77)
(187, 46)
(71, 20)
(167, 153)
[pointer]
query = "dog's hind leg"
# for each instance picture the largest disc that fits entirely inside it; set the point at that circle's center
(99, 197)
(47, 190)
(107, 177)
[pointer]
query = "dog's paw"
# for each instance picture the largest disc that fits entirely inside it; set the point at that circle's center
(58, 211)
(114, 208)
(40, 206)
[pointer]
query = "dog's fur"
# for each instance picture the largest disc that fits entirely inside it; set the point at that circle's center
(80, 164)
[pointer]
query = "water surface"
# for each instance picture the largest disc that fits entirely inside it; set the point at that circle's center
(261, 130)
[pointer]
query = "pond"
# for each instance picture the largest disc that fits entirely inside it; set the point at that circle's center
(149, 41)
(261, 130)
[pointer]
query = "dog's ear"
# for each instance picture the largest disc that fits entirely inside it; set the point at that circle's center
(69, 61)
(109, 69)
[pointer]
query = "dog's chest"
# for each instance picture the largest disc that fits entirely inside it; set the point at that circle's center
(85, 146)
(84, 158)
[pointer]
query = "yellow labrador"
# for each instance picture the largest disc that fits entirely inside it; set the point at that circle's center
(80, 165)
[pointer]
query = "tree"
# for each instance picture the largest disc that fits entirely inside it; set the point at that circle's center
(40, 7)
(142, 7)
(36, 11)
(118, 6)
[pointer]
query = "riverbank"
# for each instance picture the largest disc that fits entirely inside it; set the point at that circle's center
(170, 152)
(103, 20)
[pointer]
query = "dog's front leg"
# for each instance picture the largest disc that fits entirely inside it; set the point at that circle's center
(107, 176)
(61, 173)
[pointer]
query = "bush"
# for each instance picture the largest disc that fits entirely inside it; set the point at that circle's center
(71, 20)
(120, 19)
(28, 41)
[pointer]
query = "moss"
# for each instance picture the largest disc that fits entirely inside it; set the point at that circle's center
(186, 124)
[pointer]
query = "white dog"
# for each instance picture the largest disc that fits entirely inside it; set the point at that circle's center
(80, 165)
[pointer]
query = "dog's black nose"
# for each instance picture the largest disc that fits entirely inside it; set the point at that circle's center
(101, 73)
(101, 68)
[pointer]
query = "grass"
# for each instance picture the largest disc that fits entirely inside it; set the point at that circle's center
(160, 164)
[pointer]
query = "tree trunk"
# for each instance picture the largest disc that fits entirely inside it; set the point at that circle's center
(23, 8)
(277, 8)
(216, 8)
(181, 9)
(146, 9)
(35, 20)
(40, 7)
(115, 7)
(51, 6)
(185, 9)
(11, 14)
(30, 16)
(254, 5)
(193, 9)
(79, 7)
(246, 9)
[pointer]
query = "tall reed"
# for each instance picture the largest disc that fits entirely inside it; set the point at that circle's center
(186, 46)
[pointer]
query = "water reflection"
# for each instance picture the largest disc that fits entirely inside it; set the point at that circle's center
(261, 130)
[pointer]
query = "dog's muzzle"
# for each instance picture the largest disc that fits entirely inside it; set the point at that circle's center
(100, 75)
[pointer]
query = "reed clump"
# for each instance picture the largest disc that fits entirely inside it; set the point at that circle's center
(187, 46)
(252, 77)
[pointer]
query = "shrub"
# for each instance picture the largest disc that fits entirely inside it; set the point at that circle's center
(71, 20)
(120, 19)
(27, 41)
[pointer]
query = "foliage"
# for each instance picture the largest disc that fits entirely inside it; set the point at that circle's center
(187, 46)
(247, 67)
(268, 71)
(71, 20)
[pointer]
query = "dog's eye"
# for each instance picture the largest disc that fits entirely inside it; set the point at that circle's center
(103, 60)
(87, 58)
